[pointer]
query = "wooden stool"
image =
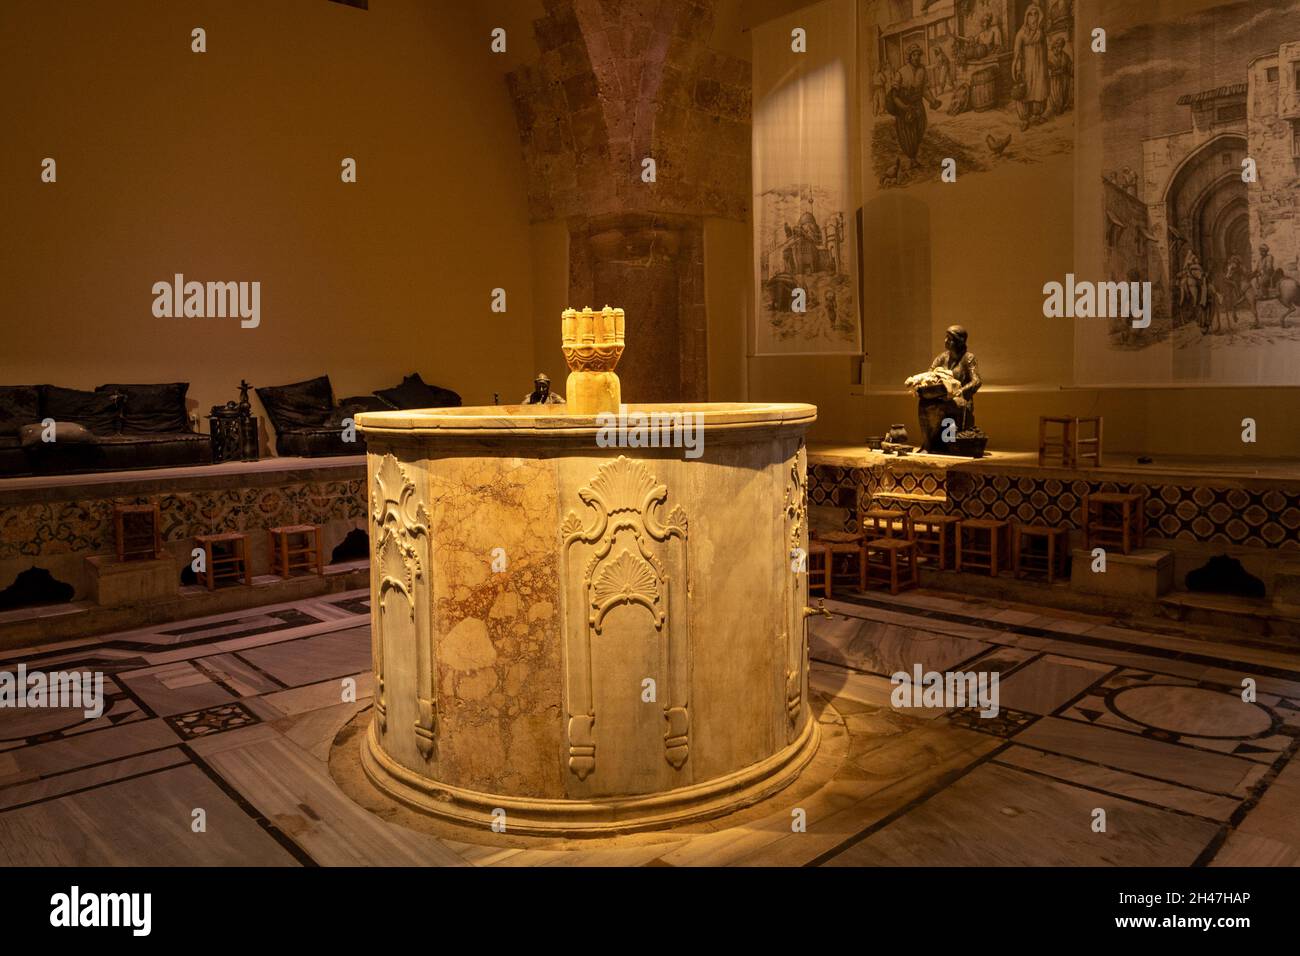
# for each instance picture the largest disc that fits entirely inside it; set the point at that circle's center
(137, 532)
(885, 523)
(1071, 448)
(288, 555)
(844, 543)
(1114, 518)
(1027, 560)
(973, 557)
(226, 558)
(899, 555)
(819, 564)
(935, 536)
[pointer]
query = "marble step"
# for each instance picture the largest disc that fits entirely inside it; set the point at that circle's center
(1249, 615)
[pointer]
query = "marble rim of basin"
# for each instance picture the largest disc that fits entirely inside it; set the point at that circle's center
(543, 421)
(520, 690)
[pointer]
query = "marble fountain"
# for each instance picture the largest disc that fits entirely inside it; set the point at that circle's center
(571, 637)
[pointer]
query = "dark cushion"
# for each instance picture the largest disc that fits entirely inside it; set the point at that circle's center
(98, 411)
(415, 393)
(19, 405)
(352, 407)
(155, 449)
(316, 443)
(152, 408)
(69, 432)
(355, 404)
(300, 405)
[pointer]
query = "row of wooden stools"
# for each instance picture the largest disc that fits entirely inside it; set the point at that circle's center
(292, 548)
(890, 544)
(883, 548)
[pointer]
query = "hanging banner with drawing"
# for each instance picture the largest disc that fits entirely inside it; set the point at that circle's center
(1199, 170)
(805, 133)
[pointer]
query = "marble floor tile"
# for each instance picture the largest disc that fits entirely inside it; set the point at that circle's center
(220, 645)
(57, 756)
(175, 688)
(1121, 784)
(326, 693)
(1277, 815)
(1233, 677)
(1245, 849)
(93, 776)
(236, 675)
(315, 730)
(903, 769)
(968, 629)
(60, 832)
(1044, 685)
(999, 816)
(1002, 661)
(1216, 773)
(886, 648)
(314, 659)
(21, 725)
(295, 792)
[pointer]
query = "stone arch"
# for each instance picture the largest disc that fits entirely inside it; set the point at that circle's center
(1206, 202)
(617, 83)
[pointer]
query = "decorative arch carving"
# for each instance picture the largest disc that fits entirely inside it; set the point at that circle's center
(796, 644)
(650, 570)
(400, 530)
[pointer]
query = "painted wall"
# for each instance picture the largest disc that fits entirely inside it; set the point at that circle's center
(225, 166)
(977, 253)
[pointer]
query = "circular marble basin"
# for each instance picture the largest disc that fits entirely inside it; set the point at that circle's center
(1194, 711)
(582, 624)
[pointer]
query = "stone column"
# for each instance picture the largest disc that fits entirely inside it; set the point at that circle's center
(653, 267)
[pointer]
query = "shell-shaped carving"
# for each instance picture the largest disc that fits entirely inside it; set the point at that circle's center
(626, 578)
(677, 519)
(624, 485)
(398, 568)
(572, 525)
(390, 498)
(391, 487)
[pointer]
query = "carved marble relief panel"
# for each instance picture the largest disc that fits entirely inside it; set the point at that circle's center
(400, 534)
(625, 553)
(796, 536)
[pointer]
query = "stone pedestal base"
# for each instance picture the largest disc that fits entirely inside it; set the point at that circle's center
(596, 817)
(111, 583)
(591, 393)
(1146, 573)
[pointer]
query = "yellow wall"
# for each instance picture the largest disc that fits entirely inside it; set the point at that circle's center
(225, 166)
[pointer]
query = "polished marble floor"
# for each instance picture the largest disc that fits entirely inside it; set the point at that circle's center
(243, 717)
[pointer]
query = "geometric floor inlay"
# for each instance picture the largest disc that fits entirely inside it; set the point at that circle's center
(1196, 711)
(253, 728)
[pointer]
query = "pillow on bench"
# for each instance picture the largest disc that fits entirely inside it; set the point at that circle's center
(98, 411)
(67, 433)
(414, 392)
(354, 405)
(152, 408)
(19, 405)
(306, 404)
